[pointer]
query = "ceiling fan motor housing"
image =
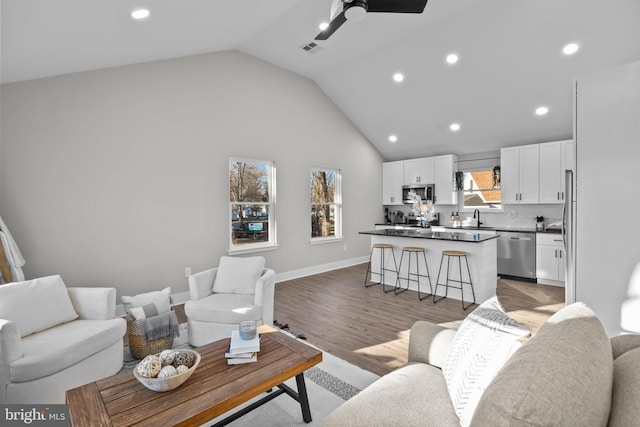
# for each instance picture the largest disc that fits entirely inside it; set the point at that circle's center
(355, 10)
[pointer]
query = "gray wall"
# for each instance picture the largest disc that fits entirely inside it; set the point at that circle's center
(119, 177)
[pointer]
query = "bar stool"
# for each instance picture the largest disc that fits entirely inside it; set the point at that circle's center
(459, 255)
(382, 247)
(413, 250)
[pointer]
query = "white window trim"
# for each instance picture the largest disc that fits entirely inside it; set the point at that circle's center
(273, 235)
(483, 209)
(325, 240)
(338, 202)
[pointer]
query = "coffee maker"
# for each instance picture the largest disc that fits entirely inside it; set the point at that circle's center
(435, 219)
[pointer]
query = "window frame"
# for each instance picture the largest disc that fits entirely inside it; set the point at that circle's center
(272, 243)
(461, 205)
(337, 202)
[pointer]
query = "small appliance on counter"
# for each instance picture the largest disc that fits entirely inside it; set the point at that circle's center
(435, 220)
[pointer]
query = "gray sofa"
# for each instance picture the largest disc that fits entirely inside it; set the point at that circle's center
(568, 374)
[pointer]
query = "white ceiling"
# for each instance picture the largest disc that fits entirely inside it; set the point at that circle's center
(510, 57)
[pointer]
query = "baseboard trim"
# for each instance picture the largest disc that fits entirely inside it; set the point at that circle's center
(182, 297)
(317, 269)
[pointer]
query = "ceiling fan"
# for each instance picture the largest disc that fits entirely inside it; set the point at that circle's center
(355, 10)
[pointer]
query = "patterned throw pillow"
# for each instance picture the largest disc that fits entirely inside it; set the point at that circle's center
(162, 300)
(483, 343)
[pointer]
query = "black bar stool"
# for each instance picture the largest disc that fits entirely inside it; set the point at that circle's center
(459, 255)
(413, 250)
(382, 247)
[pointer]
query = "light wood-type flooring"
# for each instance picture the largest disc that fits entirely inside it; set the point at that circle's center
(370, 329)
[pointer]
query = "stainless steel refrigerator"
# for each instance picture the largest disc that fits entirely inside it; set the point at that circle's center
(568, 236)
(607, 230)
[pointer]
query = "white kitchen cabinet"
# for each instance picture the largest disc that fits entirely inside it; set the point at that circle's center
(392, 181)
(419, 171)
(444, 167)
(520, 173)
(550, 262)
(555, 158)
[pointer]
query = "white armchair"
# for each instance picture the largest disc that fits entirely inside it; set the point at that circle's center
(53, 338)
(238, 289)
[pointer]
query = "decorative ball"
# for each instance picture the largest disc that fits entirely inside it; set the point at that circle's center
(184, 358)
(167, 371)
(167, 357)
(149, 367)
(181, 369)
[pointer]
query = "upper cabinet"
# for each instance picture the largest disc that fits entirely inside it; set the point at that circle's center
(555, 158)
(419, 171)
(444, 167)
(520, 174)
(392, 181)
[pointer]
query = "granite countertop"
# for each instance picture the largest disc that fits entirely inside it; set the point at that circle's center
(425, 233)
(550, 230)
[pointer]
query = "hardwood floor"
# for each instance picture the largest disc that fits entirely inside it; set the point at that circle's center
(370, 329)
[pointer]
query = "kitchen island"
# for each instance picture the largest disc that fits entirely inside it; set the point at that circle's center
(481, 252)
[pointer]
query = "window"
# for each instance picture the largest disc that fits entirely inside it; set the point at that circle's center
(252, 204)
(326, 204)
(481, 190)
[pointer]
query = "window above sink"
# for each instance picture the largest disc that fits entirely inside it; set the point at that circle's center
(481, 190)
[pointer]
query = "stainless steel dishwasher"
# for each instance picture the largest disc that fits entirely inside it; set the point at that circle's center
(517, 254)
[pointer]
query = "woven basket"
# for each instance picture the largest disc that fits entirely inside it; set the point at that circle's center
(140, 349)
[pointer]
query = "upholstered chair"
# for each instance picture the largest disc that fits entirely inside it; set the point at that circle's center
(238, 289)
(54, 338)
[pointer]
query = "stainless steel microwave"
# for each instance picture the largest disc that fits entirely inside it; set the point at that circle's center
(425, 191)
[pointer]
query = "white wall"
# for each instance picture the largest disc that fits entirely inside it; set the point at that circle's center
(608, 161)
(119, 177)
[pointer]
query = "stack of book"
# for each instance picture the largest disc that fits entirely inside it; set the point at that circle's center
(242, 351)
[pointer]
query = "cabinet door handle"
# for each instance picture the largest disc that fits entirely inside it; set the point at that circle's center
(558, 195)
(555, 253)
(560, 254)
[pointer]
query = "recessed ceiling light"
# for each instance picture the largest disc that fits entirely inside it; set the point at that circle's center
(323, 26)
(454, 127)
(541, 111)
(452, 58)
(570, 49)
(140, 14)
(393, 138)
(398, 77)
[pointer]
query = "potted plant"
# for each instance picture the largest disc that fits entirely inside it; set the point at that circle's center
(496, 177)
(540, 223)
(459, 180)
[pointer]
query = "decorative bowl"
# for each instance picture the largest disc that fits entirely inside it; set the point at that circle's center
(169, 383)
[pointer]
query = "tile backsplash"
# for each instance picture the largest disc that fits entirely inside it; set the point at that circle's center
(513, 216)
(510, 216)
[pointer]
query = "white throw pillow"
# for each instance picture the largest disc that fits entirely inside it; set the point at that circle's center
(482, 344)
(36, 305)
(238, 275)
(162, 300)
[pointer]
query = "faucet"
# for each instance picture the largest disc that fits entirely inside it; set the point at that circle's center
(477, 212)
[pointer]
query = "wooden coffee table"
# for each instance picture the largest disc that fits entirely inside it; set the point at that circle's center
(214, 388)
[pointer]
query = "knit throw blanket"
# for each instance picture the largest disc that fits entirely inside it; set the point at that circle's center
(160, 326)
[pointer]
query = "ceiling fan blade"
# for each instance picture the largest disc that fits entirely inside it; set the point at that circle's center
(333, 26)
(396, 6)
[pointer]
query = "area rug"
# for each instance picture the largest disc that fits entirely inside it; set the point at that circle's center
(329, 384)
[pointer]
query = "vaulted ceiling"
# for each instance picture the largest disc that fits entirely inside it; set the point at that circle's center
(510, 57)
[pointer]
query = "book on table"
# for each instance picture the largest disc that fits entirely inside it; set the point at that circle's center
(240, 360)
(230, 355)
(239, 346)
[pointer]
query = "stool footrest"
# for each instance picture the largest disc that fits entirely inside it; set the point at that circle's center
(461, 281)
